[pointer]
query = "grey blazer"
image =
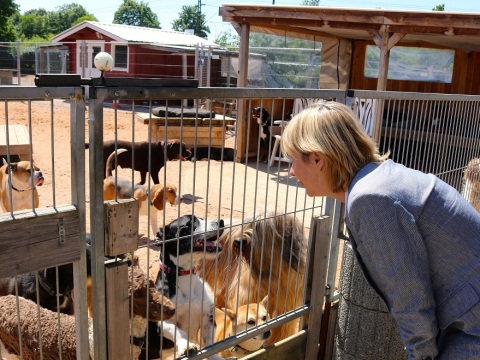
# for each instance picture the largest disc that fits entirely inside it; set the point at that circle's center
(418, 242)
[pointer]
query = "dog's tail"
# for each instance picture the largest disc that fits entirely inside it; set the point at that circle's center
(110, 160)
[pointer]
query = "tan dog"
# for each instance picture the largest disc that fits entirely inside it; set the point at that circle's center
(230, 323)
(19, 179)
(266, 256)
(154, 199)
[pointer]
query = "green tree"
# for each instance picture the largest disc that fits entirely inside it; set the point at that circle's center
(34, 24)
(88, 17)
(191, 18)
(440, 7)
(137, 14)
(293, 62)
(7, 29)
(65, 17)
(228, 40)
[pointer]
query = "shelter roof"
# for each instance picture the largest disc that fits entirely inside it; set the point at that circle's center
(448, 29)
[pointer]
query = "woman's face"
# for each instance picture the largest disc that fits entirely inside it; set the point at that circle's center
(311, 174)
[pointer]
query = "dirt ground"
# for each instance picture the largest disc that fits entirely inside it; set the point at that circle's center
(49, 124)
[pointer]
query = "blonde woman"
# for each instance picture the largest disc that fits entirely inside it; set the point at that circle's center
(416, 238)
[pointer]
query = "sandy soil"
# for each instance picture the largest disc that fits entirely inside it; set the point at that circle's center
(49, 123)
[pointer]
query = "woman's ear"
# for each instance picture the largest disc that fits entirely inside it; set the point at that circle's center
(317, 158)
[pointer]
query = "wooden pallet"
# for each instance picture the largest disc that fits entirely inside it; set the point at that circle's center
(192, 131)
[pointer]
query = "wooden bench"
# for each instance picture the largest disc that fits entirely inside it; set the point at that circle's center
(18, 140)
(201, 132)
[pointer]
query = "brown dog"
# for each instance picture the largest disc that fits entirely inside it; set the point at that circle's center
(152, 200)
(230, 323)
(160, 153)
(19, 179)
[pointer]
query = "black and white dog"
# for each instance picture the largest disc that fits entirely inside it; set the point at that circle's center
(263, 119)
(183, 243)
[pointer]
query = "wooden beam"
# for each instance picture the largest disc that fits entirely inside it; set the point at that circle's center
(242, 81)
(251, 14)
(118, 323)
(385, 41)
(34, 241)
(319, 240)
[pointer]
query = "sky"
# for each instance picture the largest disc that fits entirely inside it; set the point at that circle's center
(167, 11)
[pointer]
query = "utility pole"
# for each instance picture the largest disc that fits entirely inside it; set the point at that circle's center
(199, 16)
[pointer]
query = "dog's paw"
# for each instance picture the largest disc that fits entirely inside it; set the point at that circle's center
(190, 350)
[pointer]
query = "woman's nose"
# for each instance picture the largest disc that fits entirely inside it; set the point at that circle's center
(292, 172)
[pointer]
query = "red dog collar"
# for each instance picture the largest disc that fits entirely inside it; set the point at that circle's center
(180, 272)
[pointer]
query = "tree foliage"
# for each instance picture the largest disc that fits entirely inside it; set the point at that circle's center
(439, 7)
(34, 24)
(228, 40)
(292, 62)
(136, 14)
(65, 17)
(40, 24)
(8, 8)
(191, 18)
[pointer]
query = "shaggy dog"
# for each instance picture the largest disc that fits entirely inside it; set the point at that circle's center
(471, 190)
(265, 256)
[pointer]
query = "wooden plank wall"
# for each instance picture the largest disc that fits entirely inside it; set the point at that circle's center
(465, 79)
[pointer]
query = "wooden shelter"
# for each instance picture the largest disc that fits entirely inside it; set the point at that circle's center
(346, 33)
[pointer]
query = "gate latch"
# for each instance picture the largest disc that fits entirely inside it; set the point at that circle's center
(61, 232)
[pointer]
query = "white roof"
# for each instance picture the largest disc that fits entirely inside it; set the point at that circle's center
(128, 33)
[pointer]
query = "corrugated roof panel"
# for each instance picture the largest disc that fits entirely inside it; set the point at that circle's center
(149, 35)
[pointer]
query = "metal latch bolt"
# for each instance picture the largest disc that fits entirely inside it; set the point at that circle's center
(61, 232)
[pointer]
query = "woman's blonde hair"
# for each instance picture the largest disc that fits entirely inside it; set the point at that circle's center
(333, 130)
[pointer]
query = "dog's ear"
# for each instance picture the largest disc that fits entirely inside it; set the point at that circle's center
(230, 313)
(264, 302)
(11, 167)
(158, 237)
(240, 243)
(156, 196)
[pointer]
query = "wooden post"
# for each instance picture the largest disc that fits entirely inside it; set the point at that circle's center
(319, 239)
(242, 81)
(385, 42)
(118, 324)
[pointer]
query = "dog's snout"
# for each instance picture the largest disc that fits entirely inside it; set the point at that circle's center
(221, 223)
(169, 311)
